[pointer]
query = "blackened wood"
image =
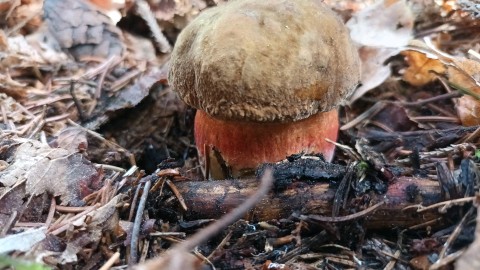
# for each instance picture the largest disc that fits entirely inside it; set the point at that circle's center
(213, 199)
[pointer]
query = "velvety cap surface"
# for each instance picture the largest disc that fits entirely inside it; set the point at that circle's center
(272, 60)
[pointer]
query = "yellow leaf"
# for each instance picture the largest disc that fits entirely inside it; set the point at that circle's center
(421, 69)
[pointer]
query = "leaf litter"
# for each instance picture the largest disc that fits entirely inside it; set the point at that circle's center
(97, 159)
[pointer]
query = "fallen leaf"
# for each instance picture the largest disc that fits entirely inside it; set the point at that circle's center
(385, 24)
(73, 139)
(23, 241)
(128, 97)
(421, 68)
(380, 31)
(104, 219)
(465, 73)
(374, 69)
(52, 170)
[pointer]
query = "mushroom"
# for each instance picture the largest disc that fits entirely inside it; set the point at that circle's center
(266, 78)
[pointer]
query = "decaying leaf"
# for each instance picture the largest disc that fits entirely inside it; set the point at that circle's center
(18, 51)
(127, 97)
(380, 31)
(22, 241)
(421, 68)
(52, 170)
(465, 73)
(374, 69)
(102, 220)
(73, 139)
(24, 16)
(385, 24)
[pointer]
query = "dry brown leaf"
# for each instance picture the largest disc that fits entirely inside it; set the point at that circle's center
(73, 139)
(52, 170)
(104, 219)
(421, 68)
(468, 110)
(11, 201)
(465, 73)
(127, 97)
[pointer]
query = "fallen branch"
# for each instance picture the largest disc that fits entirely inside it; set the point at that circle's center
(213, 199)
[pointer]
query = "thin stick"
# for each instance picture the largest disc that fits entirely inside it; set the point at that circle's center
(137, 224)
(344, 218)
(108, 264)
(445, 204)
(51, 212)
(365, 115)
(144, 10)
(454, 234)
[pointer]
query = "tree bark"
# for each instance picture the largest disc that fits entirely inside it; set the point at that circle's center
(213, 199)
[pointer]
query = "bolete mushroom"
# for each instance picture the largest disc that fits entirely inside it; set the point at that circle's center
(266, 78)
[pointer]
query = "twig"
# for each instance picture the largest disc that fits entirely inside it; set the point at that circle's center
(221, 245)
(425, 224)
(137, 224)
(4, 114)
(453, 236)
(144, 10)
(179, 257)
(8, 224)
(177, 194)
(119, 148)
(344, 218)
(113, 60)
(393, 261)
(143, 256)
(76, 102)
(70, 209)
(436, 119)
(111, 261)
(124, 80)
(163, 234)
(212, 229)
(51, 212)
(470, 137)
(110, 167)
(447, 260)
(453, 94)
(445, 204)
(205, 259)
(134, 200)
(347, 149)
(365, 115)
(57, 229)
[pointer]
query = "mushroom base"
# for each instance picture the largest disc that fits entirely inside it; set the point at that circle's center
(245, 145)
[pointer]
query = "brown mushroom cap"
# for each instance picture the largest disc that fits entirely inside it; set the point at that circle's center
(275, 60)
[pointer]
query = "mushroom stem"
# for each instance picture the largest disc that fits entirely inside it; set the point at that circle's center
(245, 145)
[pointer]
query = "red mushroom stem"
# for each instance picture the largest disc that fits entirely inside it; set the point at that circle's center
(245, 145)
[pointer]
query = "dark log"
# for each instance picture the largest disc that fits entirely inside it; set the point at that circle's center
(213, 199)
